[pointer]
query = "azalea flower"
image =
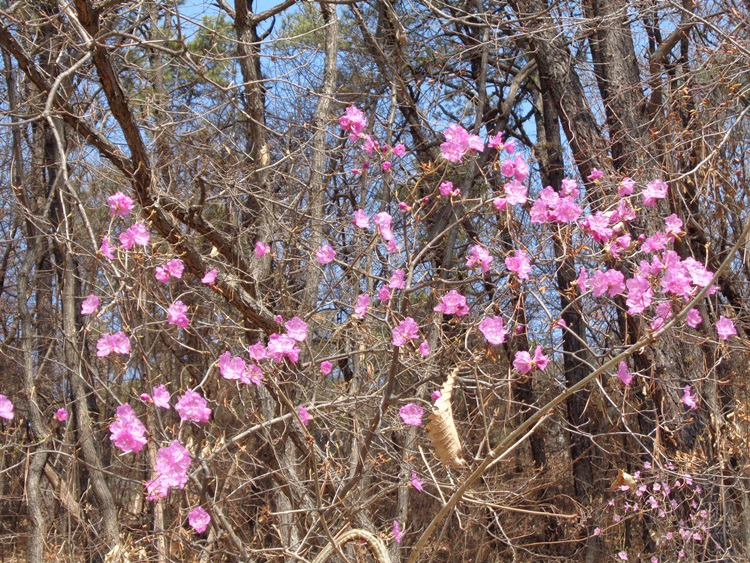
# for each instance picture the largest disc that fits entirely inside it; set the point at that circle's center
(325, 254)
(326, 367)
(398, 533)
(397, 280)
(90, 305)
(304, 416)
(725, 328)
(361, 219)
(363, 302)
(107, 249)
(406, 330)
(624, 375)
(296, 329)
(117, 343)
(6, 408)
(519, 264)
(176, 314)
(172, 463)
(209, 277)
(688, 399)
(479, 255)
(411, 414)
(199, 519)
(416, 482)
(493, 330)
(458, 141)
(127, 432)
(261, 249)
(353, 121)
(61, 415)
(193, 406)
(655, 190)
(453, 303)
(424, 348)
(120, 204)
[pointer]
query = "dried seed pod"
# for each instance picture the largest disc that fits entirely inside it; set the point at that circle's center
(442, 430)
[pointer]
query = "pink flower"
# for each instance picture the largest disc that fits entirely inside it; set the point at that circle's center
(725, 328)
(519, 264)
(127, 432)
(107, 249)
(384, 294)
(623, 374)
(361, 219)
(363, 302)
(540, 360)
(136, 234)
(510, 146)
(253, 374)
(403, 206)
(627, 186)
(282, 346)
(398, 533)
(353, 121)
(598, 225)
(231, 367)
(523, 362)
(193, 406)
(436, 395)
(162, 274)
(515, 192)
(446, 189)
(117, 343)
(611, 281)
(655, 190)
(90, 305)
(261, 249)
(120, 204)
(304, 416)
(493, 330)
(693, 318)
(172, 463)
(326, 367)
(161, 396)
(175, 267)
(479, 255)
(397, 280)
(597, 531)
(209, 277)
(655, 243)
(411, 414)
(176, 314)
(595, 174)
(673, 226)
(639, 295)
(453, 303)
(257, 352)
(688, 399)
(386, 166)
(623, 555)
(6, 408)
(416, 482)
(458, 141)
(424, 348)
(296, 329)
(325, 254)
(383, 221)
(199, 520)
(500, 203)
(61, 415)
(496, 141)
(406, 330)
(399, 150)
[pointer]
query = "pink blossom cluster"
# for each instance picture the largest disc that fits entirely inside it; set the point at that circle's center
(405, 331)
(481, 256)
(551, 206)
(117, 343)
(453, 303)
(193, 406)
(6, 408)
(524, 363)
(172, 269)
(136, 235)
(127, 432)
(458, 142)
(172, 463)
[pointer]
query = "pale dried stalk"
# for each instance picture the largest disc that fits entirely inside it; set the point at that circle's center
(377, 547)
(442, 430)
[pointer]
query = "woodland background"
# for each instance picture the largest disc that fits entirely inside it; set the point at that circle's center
(221, 121)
